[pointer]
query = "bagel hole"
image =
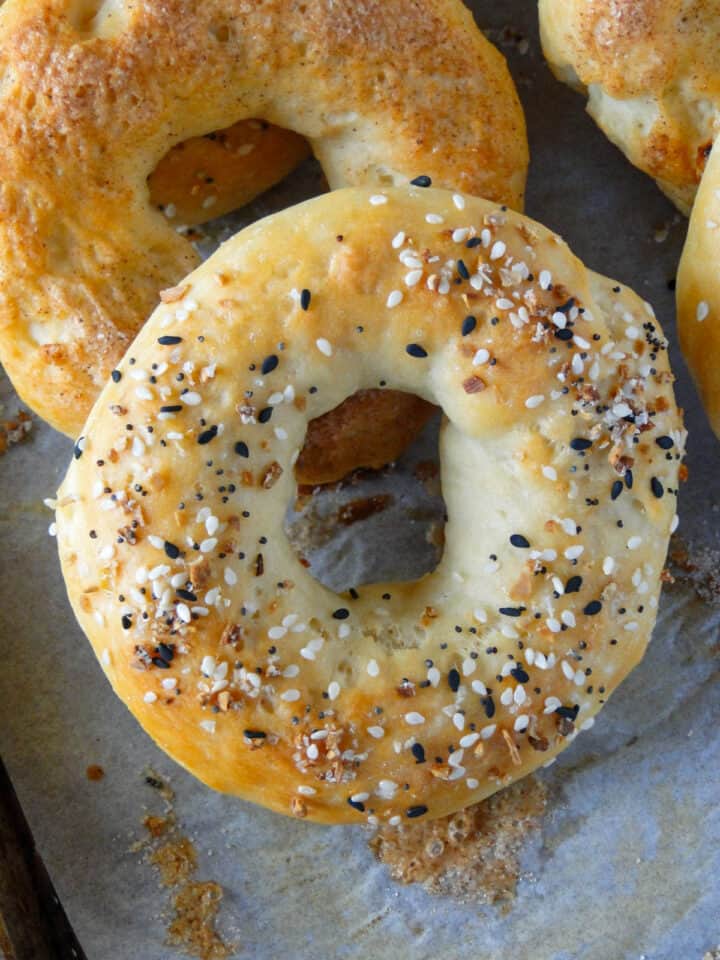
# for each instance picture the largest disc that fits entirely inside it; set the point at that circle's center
(211, 185)
(375, 525)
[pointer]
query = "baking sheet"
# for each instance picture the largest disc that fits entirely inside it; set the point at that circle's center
(626, 862)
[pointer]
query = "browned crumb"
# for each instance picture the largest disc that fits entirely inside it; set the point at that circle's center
(157, 826)
(193, 928)
(15, 430)
(176, 860)
(471, 855)
(701, 570)
(713, 954)
(94, 772)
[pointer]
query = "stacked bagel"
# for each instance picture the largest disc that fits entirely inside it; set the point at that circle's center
(316, 341)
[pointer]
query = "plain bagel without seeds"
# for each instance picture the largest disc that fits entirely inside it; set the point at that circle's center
(93, 96)
(560, 454)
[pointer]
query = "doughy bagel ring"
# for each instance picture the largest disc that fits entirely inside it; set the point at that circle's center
(650, 71)
(698, 291)
(394, 700)
(373, 86)
(209, 176)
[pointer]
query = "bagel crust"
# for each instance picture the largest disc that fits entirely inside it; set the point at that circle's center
(650, 71)
(698, 292)
(94, 96)
(560, 453)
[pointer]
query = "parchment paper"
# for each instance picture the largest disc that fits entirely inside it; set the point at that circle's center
(627, 862)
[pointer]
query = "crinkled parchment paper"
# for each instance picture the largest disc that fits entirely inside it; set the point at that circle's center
(626, 862)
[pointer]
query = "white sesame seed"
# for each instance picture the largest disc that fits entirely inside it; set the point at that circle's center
(545, 279)
(434, 218)
(394, 299)
(569, 526)
(277, 633)
(306, 791)
(703, 309)
(468, 667)
(458, 721)
(208, 545)
(211, 525)
(169, 683)
(550, 473)
(568, 618)
(150, 697)
(608, 566)
(414, 718)
(481, 357)
(377, 732)
(372, 668)
(333, 690)
(413, 278)
(191, 399)
(567, 669)
(290, 696)
(572, 553)
(230, 577)
(433, 676)
(674, 523)
(459, 201)
(378, 199)
(553, 625)
(621, 410)
(504, 304)
(183, 612)
(469, 740)
(488, 731)
(479, 687)
(634, 542)
(559, 319)
(632, 626)
(498, 250)
(398, 240)
(360, 797)
(460, 234)
(292, 670)
(521, 722)
(534, 401)
(324, 346)
(587, 724)
(208, 725)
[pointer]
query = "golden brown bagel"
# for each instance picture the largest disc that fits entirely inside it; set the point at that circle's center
(698, 291)
(559, 455)
(209, 176)
(650, 71)
(91, 103)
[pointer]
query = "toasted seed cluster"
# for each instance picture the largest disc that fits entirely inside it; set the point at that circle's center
(560, 453)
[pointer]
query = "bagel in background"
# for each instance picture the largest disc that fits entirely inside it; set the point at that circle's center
(560, 453)
(698, 292)
(83, 254)
(650, 71)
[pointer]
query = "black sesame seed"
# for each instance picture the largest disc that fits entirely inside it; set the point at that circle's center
(166, 651)
(592, 608)
(488, 706)
(254, 734)
(171, 550)
(171, 408)
(573, 585)
(629, 479)
(463, 270)
(468, 325)
(473, 242)
(241, 449)
(265, 414)
(616, 490)
(418, 751)
(580, 443)
(77, 449)
(341, 614)
(169, 341)
(356, 805)
(657, 487)
(421, 181)
(520, 675)
(454, 680)
(569, 713)
(207, 435)
(419, 811)
(665, 443)
(415, 350)
(564, 334)
(186, 595)
(269, 364)
(518, 540)
(512, 611)
(116, 376)
(160, 663)
(126, 621)
(305, 297)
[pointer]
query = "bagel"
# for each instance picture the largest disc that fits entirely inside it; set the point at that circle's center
(372, 85)
(207, 177)
(649, 69)
(559, 451)
(698, 292)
